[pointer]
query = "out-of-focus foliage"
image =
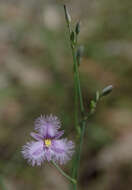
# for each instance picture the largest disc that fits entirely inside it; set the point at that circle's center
(36, 78)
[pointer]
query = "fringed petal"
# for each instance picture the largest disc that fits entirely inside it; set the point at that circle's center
(33, 152)
(63, 150)
(47, 126)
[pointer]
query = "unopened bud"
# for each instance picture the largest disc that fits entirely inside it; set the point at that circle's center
(106, 90)
(72, 37)
(79, 53)
(92, 106)
(77, 29)
(67, 15)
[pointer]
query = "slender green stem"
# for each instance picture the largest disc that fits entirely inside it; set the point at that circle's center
(78, 95)
(75, 66)
(77, 81)
(76, 107)
(76, 163)
(75, 73)
(63, 173)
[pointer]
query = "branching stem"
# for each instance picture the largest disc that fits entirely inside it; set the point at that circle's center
(78, 98)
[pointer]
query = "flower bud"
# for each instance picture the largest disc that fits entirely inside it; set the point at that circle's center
(106, 90)
(72, 37)
(79, 53)
(67, 15)
(77, 29)
(92, 106)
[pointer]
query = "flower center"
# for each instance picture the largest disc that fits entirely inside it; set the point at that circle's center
(47, 142)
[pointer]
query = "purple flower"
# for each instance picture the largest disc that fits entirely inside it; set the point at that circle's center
(48, 146)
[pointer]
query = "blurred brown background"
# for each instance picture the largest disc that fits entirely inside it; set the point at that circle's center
(36, 78)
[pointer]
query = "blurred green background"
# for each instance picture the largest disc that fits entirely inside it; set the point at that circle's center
(36, 77)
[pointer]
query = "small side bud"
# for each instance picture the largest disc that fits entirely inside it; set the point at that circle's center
(72, 37)
(79, 53)
(107, 90)
(77, 29)
(92, 104)
(67, 15)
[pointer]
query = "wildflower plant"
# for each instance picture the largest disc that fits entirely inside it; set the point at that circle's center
(48, 144)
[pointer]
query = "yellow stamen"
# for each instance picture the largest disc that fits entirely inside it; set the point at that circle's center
(47, 142)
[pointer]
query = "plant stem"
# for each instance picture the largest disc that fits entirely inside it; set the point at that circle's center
(63, 173)
(78, 95)
(75, 76)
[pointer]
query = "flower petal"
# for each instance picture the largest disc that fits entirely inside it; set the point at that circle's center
(48, 154)
(47, 126)
(63, 150)
(59, 134)
(36, 136)
(33, 152)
